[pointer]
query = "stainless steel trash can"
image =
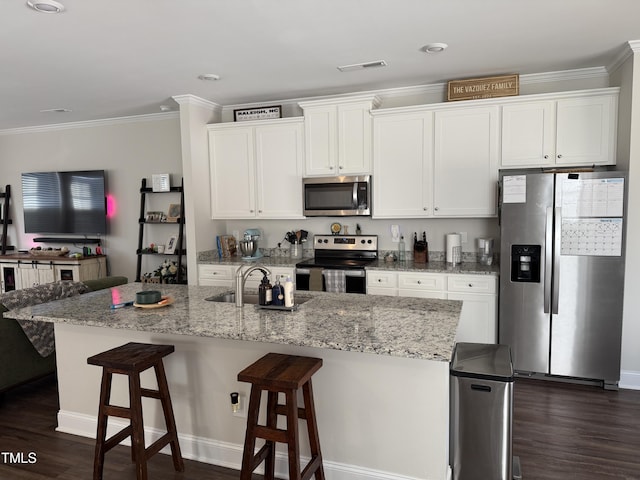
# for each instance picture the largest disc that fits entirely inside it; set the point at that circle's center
(481, 409)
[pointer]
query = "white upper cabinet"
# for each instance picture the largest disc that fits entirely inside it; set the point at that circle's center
(403, 165)
(338, 136)
(256, 169)
(579, 129)
(466, 149)
(435, 163)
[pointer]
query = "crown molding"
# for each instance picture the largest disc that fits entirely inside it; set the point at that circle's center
(151, 117)
(627, 51)
(189, 99)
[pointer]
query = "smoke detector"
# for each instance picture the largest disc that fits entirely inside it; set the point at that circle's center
(434, 47)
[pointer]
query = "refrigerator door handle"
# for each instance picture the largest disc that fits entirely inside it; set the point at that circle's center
(557, 232)
(548, 255)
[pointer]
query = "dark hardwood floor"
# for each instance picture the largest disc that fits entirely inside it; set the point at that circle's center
(567, 431)
(561, 431)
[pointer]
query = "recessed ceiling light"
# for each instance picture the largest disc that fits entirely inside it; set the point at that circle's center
(434, 47)
(209, 76)
(55, 110)
(361, 66)
(46, 6)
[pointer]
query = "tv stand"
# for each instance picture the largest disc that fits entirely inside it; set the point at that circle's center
(66, 240)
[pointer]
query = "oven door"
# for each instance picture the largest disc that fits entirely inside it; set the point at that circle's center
(356, 280)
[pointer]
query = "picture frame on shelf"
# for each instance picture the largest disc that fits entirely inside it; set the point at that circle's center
(170, 246)
(154, 217)
(173, 215)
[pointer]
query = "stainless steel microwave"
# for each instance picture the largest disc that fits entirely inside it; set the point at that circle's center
(337, 196)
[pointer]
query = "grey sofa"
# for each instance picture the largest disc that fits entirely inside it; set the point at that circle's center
(20, 362)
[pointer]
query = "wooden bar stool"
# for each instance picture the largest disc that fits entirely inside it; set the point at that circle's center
(277, 373)
(132, 359)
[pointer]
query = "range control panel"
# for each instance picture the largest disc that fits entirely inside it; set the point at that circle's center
(345, 242)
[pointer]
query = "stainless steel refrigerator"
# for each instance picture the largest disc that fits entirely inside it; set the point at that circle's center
(562, 255)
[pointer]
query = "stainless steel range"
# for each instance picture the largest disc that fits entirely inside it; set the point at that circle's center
(350, 253)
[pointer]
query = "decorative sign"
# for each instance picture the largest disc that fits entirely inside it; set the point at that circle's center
(488, 87)
(259, 113)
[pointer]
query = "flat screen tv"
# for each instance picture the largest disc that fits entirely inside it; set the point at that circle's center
(65, 202)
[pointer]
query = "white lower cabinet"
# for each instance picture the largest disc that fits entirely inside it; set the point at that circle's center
(216, 275)
(224, 275)
(478, 318)
(382, 283)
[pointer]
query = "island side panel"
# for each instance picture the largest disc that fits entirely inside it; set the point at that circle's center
(376, 413)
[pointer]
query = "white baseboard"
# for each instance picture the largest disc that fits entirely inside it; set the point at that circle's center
(215, 452)
(629, 380)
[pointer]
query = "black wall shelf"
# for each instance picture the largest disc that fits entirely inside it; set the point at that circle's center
(179, 251)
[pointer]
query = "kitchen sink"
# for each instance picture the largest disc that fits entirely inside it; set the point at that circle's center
(247, 298)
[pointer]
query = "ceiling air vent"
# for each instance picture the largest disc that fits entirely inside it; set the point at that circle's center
(362, 66)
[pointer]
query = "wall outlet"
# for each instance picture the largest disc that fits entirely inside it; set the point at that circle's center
(240, 410)
(395, 233)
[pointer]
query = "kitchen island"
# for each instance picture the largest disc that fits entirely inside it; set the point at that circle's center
(381, 395)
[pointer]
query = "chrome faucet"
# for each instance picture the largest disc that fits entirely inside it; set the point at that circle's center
(241, 279)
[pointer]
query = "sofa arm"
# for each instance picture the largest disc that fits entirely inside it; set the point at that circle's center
(106, 282)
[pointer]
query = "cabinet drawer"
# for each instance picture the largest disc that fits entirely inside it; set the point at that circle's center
(421, 281)
(216, 272)
(377, 279)
(472, 283)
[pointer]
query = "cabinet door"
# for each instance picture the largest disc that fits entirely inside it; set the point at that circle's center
(466, 145)
(403, 165)
(231, 154)
(477, 318)
(354, 139)
(586, 130)
(321, 147)
(279, 152)
(528, 134)
(9, 277)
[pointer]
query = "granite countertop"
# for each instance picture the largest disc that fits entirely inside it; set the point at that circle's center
(381, 264)
(435, 267)
(395, 326)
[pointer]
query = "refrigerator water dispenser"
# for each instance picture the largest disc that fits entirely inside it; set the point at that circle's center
(525, 263)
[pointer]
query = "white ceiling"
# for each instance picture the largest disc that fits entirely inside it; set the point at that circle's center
(127, 57)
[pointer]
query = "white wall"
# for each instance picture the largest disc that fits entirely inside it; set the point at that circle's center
(128, 149)
(628, 78)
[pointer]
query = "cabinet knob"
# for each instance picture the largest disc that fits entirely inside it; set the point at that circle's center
(419, 282)
(340, 167)
(330, 168)
(259, 211)
(546, 156)
(559, 156)
(424, 208)
(436, 209)
(250, 211)
(471, 285)
(379, 280)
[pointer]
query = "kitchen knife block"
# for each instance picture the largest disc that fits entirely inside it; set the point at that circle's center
(420, 255)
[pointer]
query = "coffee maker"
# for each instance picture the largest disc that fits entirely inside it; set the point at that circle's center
(249, 244)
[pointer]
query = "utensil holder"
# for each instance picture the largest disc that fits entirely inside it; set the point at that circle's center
(295, 251)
